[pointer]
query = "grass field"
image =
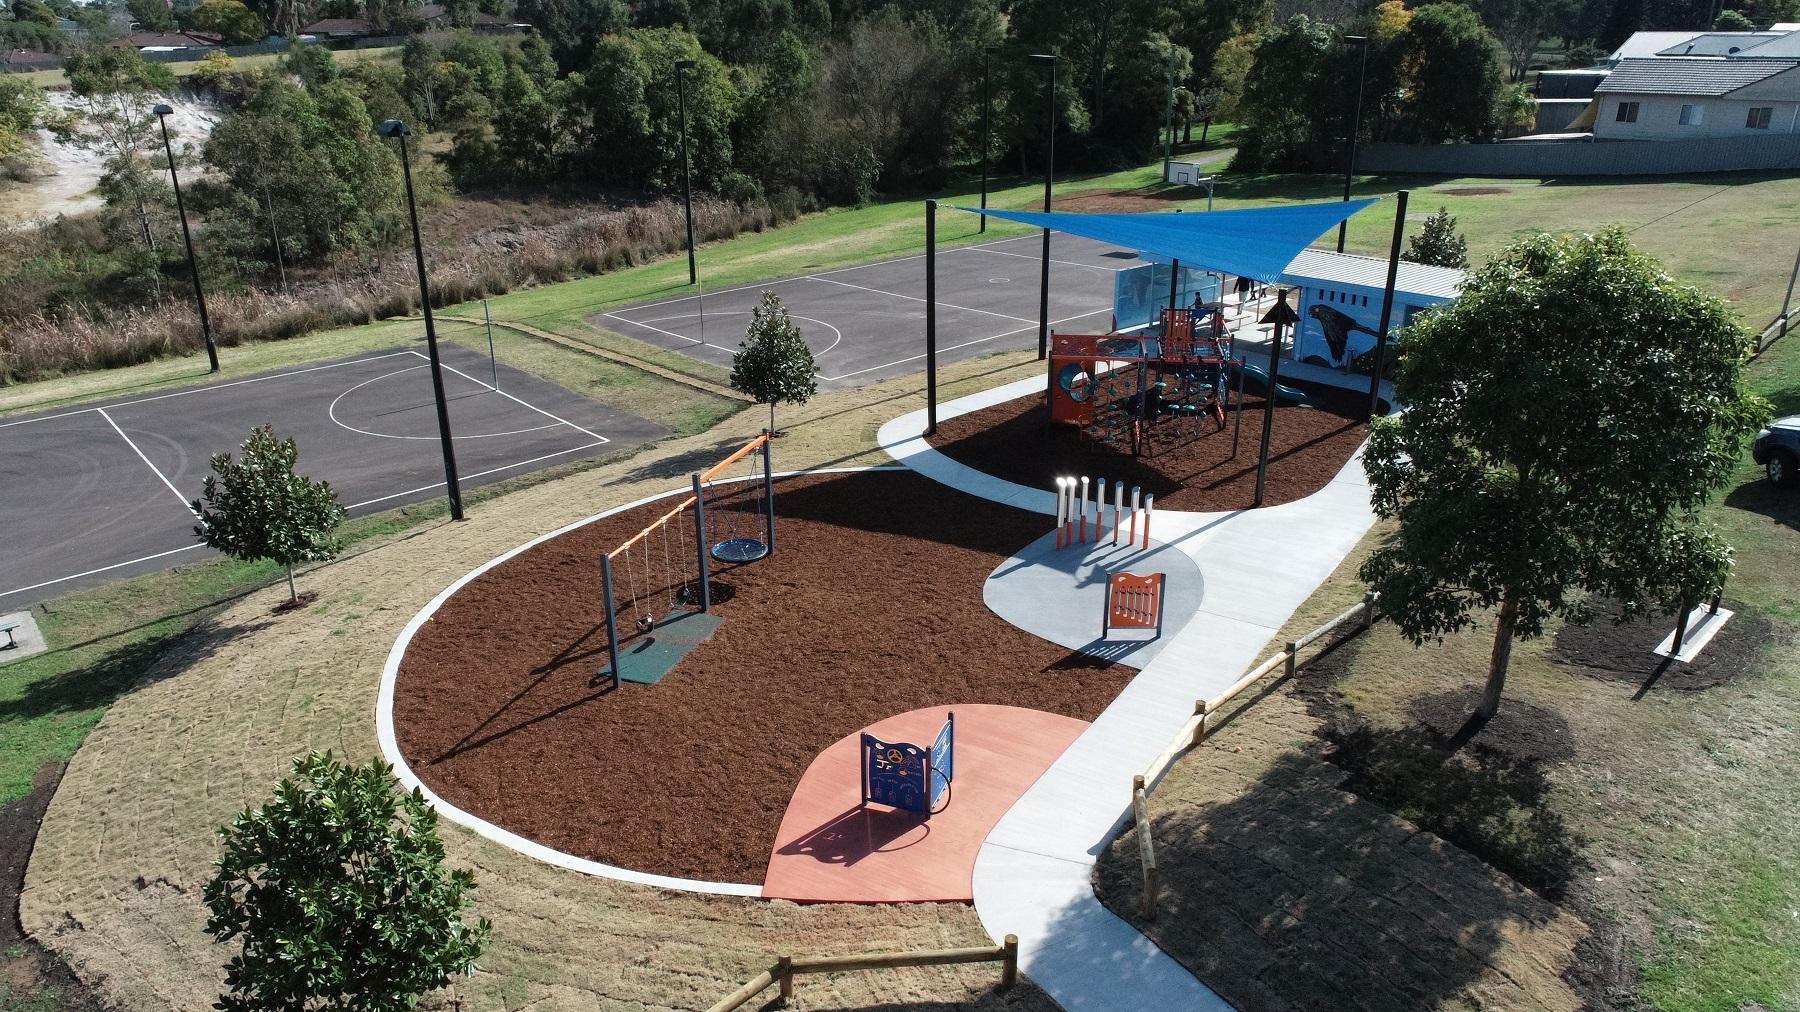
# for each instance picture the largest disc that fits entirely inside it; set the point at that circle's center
(184, 68)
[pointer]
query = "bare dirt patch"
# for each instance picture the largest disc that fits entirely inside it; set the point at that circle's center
(1309, 446)
(1476, 191)
(28, 971)
(1615, 651)
(870, 606)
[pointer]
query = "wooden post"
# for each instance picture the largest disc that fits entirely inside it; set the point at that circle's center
(1009, 965)
(1200, 725)
(1293, 653)
(784, 974)
(1140, 810)
(1681, 625)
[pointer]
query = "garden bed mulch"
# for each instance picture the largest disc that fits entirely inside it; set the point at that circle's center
(870, 606)
(1610, 650)
(1308, 447)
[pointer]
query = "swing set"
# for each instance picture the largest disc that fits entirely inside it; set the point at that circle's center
(662, 575)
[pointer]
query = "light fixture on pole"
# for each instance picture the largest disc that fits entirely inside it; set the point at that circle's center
(212, 350)
(1355, 128)
(400, 131)
(1049, 182)
(987, 108)
(687, 188)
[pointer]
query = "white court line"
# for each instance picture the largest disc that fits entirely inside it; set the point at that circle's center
(818, 275)
(659, 330)
(102, 569)
(646, 324)
(913, 298)
(331, 413)
(1040, 259)
(478, 474)
(213, 386)
(146, 460)
(965, 344)
(516, 400)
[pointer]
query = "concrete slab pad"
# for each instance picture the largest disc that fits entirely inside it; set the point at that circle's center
(1059, 594)
(27, 638)
(1702, 625)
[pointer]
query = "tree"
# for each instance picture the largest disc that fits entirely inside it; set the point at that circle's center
(115, 88)
(1521, 26)
(22, 110)
(1637, 414)
(256, 507)
(775, 364)
(337, 888)
(312, 63)
(1438, 243)
(152, 15)
(229, 18)
(1453, 75)
(1283, 94)
(1732, 21)
(34, 12)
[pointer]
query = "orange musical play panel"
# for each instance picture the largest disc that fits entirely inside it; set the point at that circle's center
(832, 848)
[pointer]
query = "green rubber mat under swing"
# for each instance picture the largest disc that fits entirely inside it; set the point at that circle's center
(647, 657)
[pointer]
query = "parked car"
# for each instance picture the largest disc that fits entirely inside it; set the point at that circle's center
(1777, 449)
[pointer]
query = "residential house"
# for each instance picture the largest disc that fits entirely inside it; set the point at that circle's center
(1686, 97)
(162, 42)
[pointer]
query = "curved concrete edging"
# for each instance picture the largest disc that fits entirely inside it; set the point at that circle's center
(390, 749)
(1033, 875)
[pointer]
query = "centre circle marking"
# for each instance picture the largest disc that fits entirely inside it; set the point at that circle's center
(331, 412)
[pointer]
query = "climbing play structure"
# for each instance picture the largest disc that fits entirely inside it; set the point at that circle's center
(656, 586)
(1149, 391)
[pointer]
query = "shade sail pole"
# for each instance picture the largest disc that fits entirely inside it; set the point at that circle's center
(1387, 303)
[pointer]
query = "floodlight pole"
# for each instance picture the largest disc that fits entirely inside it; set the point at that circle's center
(1387, 301)
(987, 108)
(212, 349)
(931, 317)
(452, 486)
(1355, 128)
(687, 188)
(1049, 183)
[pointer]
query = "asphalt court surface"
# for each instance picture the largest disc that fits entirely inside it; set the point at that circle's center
(868, 323)
(98, 492)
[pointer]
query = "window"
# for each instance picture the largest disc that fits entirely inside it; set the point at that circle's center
(1627, 112)
(1692, 115)
(1759, 117)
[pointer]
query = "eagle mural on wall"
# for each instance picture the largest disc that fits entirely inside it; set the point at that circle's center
(1337, 327)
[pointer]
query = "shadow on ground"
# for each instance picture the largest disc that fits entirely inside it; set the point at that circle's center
(1292, 893)
(122, 669)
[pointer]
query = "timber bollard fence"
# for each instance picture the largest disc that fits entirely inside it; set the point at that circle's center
(1207, 716)
(786, 968)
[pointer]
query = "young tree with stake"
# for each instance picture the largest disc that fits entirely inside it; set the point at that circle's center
(1438, 243)
(775, 364)
(1566, 419)
(338, 890)
(256, 507)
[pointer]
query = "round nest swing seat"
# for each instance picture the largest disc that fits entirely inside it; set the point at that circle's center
(739, 550)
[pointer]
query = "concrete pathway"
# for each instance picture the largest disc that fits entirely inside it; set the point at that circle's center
(1033, 875)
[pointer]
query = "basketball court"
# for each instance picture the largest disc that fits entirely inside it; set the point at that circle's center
(98, 492)
(867, 323)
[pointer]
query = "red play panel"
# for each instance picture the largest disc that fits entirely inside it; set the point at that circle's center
(831, 849)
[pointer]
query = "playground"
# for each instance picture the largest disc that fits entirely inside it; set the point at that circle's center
(869, 607)
(1015, 440)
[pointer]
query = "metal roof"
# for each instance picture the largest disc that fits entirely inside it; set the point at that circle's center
(1719, 43)
(1689, 75)
(1313, 266)
(1648, 44)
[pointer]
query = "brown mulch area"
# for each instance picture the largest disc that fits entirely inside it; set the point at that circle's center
(27, 969)
(1308, 447)
(1125, 201)
(870, 606)
(1620, 652)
